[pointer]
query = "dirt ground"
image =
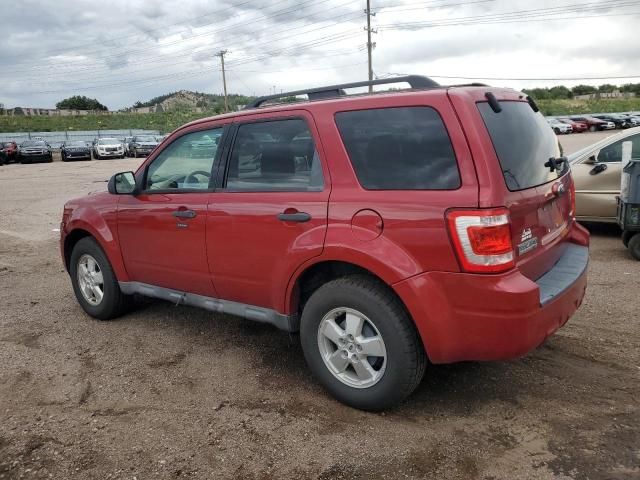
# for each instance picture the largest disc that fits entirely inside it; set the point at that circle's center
(171, 392)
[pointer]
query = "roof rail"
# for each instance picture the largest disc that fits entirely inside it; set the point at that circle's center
(415, 81)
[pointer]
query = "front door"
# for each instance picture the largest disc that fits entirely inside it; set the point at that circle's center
(270, 214)
(163, 230)
(597, 179)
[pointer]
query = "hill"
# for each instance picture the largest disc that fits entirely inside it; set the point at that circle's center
(188, 100)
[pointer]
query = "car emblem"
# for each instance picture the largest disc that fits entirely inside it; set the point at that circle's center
(527, 242)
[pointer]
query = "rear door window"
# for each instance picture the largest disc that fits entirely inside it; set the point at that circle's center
(274, 155)
(523, 143)
(403, 148)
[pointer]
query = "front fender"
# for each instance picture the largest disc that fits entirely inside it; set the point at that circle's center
(100, 223)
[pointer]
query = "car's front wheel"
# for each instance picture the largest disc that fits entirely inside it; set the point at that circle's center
(360, 343)
(94, 283)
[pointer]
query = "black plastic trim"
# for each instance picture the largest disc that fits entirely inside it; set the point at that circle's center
(564, 273)
(288, 323)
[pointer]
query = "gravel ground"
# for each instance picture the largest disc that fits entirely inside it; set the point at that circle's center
(169, 392)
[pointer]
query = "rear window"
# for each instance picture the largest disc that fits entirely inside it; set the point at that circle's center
(523, 143)
(404, 148)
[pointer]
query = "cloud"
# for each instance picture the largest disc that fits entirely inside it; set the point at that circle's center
(121, 52)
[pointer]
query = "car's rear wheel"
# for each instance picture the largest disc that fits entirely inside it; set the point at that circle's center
(360, 343)
(593, 128)
(626, 236)
(634, 246)
(556, 131)
(94, 283)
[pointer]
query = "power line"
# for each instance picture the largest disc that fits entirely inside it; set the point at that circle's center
(515, 15)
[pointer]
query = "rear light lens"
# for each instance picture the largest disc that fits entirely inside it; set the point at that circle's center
(572, 199)
(482, 239)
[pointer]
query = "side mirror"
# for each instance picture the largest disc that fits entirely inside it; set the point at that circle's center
(592, 160)
(123, 183)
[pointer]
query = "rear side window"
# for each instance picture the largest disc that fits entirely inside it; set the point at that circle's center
(404, 148)
(523, 143)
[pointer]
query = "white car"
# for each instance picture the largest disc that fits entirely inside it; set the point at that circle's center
(559, 127)
(108, 148)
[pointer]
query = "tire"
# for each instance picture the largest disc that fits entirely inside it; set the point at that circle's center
(404, 360)
(113, 302)
(626, 236)
(634, 246)
(556, 131)
(593, 128)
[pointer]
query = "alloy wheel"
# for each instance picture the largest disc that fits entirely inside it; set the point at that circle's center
(352, 347)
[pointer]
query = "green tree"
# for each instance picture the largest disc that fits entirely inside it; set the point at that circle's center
(78, 102)
(560, 91)
(583, 89)
(607, 88)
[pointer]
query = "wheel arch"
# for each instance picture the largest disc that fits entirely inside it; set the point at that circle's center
(101, 233)
(314, 275)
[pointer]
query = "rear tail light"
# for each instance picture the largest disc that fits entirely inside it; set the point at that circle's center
(482, 239)
(572, 199)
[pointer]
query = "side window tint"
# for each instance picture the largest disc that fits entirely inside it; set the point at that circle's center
(613, 153)
(405, 148)
(186, 163)
(276, 155)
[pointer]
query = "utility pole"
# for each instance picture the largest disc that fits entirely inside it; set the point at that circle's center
(221, 54)
(369, 44)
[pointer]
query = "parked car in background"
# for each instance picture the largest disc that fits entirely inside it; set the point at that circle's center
(34, 151)
(108, 148)
(10, 149)
(559, 127)
(596, 173)
(3, 156)
(594, 124)
(390, 229)
(576, 126)
(633, 119)
(619, 121)
(75, 150)
(142, 145)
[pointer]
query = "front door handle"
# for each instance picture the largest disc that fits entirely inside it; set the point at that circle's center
(299, 217)
(184, 214)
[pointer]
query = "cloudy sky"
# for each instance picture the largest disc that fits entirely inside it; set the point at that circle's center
(122, 51)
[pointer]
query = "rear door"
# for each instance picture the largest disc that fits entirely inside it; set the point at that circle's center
(513, 148)
(269, 214)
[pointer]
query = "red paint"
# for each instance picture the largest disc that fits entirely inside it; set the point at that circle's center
(237, 249)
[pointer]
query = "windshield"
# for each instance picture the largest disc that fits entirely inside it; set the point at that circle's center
(108, 141)
(523, 143)
(145, 139)
(34, 143)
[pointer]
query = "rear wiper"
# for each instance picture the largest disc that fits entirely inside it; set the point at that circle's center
(554, 163)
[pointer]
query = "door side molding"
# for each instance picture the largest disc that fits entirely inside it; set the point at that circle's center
(288, 323)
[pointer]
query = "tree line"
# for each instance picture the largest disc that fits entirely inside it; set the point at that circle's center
(560, 91)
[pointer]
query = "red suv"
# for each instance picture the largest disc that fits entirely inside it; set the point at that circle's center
(390, 229)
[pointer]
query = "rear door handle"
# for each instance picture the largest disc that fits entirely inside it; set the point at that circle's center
(184, 214)
(299, 217)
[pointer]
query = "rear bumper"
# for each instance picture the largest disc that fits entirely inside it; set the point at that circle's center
(463, 316)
